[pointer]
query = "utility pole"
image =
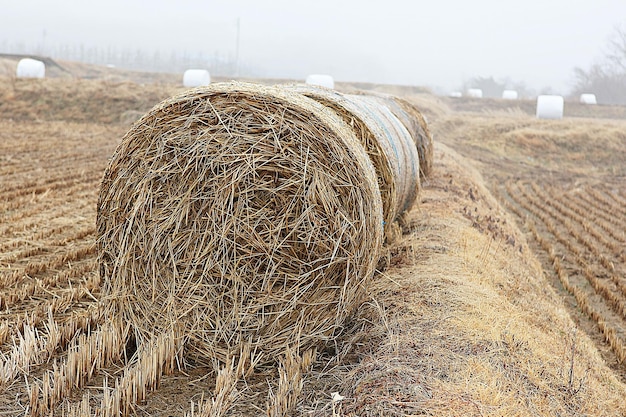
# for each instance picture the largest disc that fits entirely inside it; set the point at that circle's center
(237, 48)
(43, 43)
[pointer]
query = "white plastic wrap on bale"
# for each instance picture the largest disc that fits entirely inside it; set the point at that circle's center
(196, 78)
(549, 107)
(30, 68)
(475, 93)
(456, 94)
(509, 95)
(588, 98)
(321, 80)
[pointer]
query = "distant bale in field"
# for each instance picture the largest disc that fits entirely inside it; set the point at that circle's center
(455, 94)
(588, 98)
(509, 95)
(30, 68)
(323, 80)
(549, 107)
(475, 93)
(250, 215)
(387, 142)
(196, 78)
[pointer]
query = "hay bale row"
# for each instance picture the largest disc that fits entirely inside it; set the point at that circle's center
(247, 214)
(252, 216)
(371, 134)
(404, 159)
(395, 136)
(415, 122)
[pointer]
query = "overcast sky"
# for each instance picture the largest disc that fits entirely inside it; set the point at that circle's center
(436, 43)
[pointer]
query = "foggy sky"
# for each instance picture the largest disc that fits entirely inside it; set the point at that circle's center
(436, 43)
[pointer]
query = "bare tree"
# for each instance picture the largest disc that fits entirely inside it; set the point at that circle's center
(607, 78)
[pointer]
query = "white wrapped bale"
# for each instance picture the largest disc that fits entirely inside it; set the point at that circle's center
(588, 98)
(509, 95)
(196, 78)
(30, 68)
(456, 94)
(322, 80)
(550, 107)
(475, 93)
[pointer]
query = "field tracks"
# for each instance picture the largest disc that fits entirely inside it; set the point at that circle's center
(584, 244)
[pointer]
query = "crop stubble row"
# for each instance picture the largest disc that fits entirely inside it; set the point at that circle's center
(585, 257)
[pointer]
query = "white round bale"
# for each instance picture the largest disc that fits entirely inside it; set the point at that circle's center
(196, 78)
(323, 80)
(30, 68)
(588, 98)
(550, 107)
(509, 95)
(475, 92)
(456, 94)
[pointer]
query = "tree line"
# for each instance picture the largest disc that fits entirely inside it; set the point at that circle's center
(606, 78)
(135, 59)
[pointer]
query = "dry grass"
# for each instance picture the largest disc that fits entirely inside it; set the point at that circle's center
(504, 144)
(78, 100)
(472, 327)
(224, 211)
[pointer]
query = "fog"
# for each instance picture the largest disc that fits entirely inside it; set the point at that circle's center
(437, 43)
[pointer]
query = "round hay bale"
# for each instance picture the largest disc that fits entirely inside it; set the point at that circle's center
(323, 80)
(588, 98)
(246, 213)
(384, 142)
(401, 141)
(509, 95)
(196, 78)
(475, 92)
(30, 68)
(417, 125)
(549, 107)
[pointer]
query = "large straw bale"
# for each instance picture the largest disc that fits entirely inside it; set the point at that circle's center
(415, 122)
(406, 161)
(387, 144)
(422, 136)
(248, 214)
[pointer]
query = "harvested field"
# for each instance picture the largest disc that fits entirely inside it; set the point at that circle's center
(504, 295)
(564, 182)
